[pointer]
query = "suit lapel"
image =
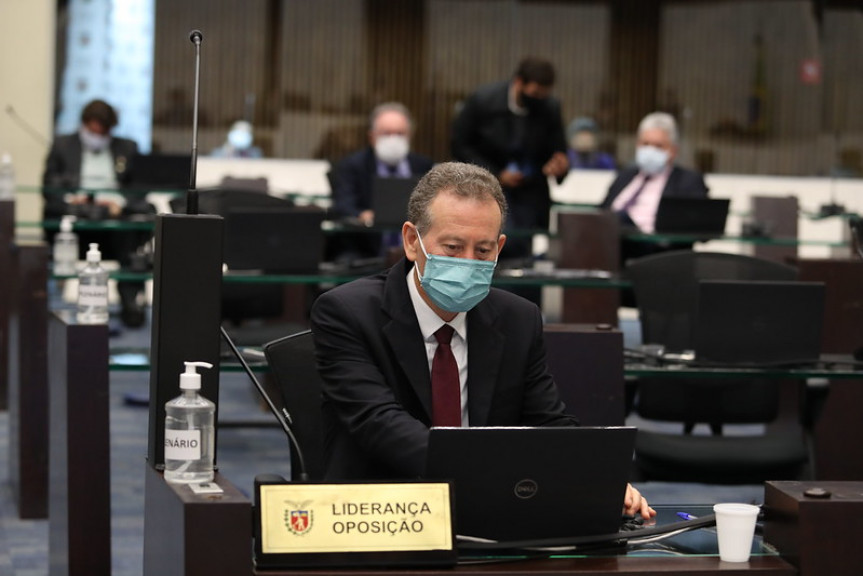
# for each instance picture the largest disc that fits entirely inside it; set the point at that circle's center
(403, 335)
(485, 348)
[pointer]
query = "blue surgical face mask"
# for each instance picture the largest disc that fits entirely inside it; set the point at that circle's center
(651, 159)
(455, 284)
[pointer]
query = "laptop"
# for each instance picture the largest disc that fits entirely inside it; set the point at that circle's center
(703, 217)
(274, 240)
(390, 200)
(748, 322)
(160, 171)
(515, 484)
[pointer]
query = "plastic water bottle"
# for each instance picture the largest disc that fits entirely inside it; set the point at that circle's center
(66, 249)
(93, 289)
(7, 178)
(189, 431)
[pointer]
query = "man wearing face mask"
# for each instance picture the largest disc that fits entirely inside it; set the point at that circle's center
(636, 191)
(584, 153)
(388, 155)
(78, 166)
(239, 143)
(514, 130)
(429, 343)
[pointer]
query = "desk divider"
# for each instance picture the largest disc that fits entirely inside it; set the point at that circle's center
(7, 237)
(187, 299)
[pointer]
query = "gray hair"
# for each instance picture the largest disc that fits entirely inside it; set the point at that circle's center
(464, 180)
(661, 121)
(391, 107)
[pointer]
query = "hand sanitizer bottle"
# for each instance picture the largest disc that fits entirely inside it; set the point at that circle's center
(7, 177)
(93, 289)
(66, 249)
(189, 431)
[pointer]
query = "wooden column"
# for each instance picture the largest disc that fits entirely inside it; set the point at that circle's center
(7, 236)
(195, 535)
(588, 240)
(28, 380)
(79, 526)
(778, 216)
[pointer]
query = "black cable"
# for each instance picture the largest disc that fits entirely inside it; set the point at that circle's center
(282, 415)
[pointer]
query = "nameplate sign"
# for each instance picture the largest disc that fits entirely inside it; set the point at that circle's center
(354, 524)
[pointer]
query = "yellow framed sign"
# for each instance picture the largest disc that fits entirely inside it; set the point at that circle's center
(384, 524)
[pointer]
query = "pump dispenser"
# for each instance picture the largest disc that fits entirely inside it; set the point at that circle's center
(66, 249)
(93, 289)
(190, 431)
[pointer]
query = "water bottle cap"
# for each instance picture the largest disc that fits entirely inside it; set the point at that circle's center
(190, 379)
(93, 254)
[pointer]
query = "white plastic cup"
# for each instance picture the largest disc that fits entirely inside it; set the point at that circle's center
(735, 529)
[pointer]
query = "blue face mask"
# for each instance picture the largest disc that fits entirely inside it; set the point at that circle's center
(455, 284)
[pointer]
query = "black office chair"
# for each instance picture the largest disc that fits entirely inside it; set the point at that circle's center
(292, 364)
(666, 288)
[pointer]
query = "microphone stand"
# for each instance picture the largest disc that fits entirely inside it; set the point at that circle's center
(192, 194)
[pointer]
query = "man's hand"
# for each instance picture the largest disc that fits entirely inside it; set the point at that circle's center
(634, 503)
(557, 165)
(510, 178)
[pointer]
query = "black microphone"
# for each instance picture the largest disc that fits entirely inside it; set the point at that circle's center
(192, 194)
(283, 416)
(27, 127)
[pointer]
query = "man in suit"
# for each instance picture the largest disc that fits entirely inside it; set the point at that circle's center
(379, 340)
(636, 191)
(80, 164)
(388, 155)
(514, 130)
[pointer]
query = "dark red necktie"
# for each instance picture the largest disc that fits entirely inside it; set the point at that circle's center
(446, 390)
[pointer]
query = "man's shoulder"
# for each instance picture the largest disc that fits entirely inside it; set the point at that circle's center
(496, 92)
(355, 159)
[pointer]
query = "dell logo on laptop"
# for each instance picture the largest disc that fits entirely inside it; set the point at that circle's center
(525, 489)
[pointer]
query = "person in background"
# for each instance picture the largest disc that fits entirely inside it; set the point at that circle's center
(378, 340)
(239, 143)
(635, 193)
(84, 175)
(388, 155)
(584, 153)
(514, 130)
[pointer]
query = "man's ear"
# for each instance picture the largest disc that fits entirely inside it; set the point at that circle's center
(409, 241)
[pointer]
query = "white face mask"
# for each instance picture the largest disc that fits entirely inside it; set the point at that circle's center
(240, 138)
(94, 142)
(392, 149)
(651, 160)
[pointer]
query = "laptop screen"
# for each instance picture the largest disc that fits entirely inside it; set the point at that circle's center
(160, 171)
(533, 483)
(276, 240)
(699, 216)
(390, 200)
(758, 322)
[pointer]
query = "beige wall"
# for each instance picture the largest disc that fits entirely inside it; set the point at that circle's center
(27, 39)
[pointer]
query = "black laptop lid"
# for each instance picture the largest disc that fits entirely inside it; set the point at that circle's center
(390, 200)
(758, 322)
(160, 171)
(534, 483)
(275, 240)
(698, 216)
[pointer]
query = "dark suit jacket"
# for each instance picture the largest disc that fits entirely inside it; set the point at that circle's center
(63, 170)
(354, 178)
(376, 381)
(484, 134)
(682, 183)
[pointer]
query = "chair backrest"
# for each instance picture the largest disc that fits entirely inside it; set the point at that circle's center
(292, 363)
(666, 288)
(666, 291)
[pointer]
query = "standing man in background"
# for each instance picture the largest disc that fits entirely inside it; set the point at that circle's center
(515, 131)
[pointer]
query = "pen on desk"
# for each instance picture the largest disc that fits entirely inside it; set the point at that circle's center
(686, 516)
